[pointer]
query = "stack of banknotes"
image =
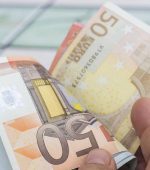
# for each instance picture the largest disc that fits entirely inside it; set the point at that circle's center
(52, 119)
(106, 66)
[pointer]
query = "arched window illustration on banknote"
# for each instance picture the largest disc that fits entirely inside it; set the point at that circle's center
(141, 81)
(141, 78)
(65, 124)
(59, 118)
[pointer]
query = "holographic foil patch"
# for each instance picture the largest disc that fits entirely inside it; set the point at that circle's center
(10, 98)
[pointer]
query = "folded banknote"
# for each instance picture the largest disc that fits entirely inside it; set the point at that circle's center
(39, 125)
(73, 32)
(107, 68)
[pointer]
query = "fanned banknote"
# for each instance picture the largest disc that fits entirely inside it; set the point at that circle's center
(107, 68)
(39, 125)
(73, 32)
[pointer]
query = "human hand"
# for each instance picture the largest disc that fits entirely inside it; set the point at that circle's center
(102, 160)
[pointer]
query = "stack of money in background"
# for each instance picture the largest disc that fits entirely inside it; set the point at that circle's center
(106, 66)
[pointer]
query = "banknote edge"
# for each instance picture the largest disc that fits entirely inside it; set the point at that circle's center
(140, 24)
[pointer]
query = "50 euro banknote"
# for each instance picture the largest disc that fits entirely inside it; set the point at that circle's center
(39, 125)
(107, 68)
(73, 32)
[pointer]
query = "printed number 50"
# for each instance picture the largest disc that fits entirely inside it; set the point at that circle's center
(47, 129)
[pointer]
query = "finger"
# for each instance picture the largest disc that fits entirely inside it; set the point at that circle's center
(148, 166)
(141, 115)
(140, 159)
(99, 160)
(141, 121)
(145, 144)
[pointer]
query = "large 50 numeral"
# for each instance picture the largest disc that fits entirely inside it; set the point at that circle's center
(89, 135)
(47, 129)
(107, 18)
(100, 28)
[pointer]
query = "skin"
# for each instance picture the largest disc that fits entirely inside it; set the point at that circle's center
(102, 160)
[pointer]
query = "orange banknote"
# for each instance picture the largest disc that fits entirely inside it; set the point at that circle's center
(42, 126)
(73, 32)
(107, 68)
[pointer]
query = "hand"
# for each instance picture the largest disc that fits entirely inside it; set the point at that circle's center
(101, 160)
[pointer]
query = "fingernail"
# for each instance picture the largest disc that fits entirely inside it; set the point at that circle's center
(98, 156)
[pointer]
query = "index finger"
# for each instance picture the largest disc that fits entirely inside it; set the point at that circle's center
(141, 122)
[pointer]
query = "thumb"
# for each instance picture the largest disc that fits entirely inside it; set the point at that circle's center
(99, 159)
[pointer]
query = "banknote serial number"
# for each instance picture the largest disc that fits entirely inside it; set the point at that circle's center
(87, 66)
(98, 29)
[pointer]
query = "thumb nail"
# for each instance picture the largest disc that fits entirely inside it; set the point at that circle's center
(99, 156)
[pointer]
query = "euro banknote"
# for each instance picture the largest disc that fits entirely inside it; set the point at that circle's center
(107, 68)
(39, 125)
(73, 32)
